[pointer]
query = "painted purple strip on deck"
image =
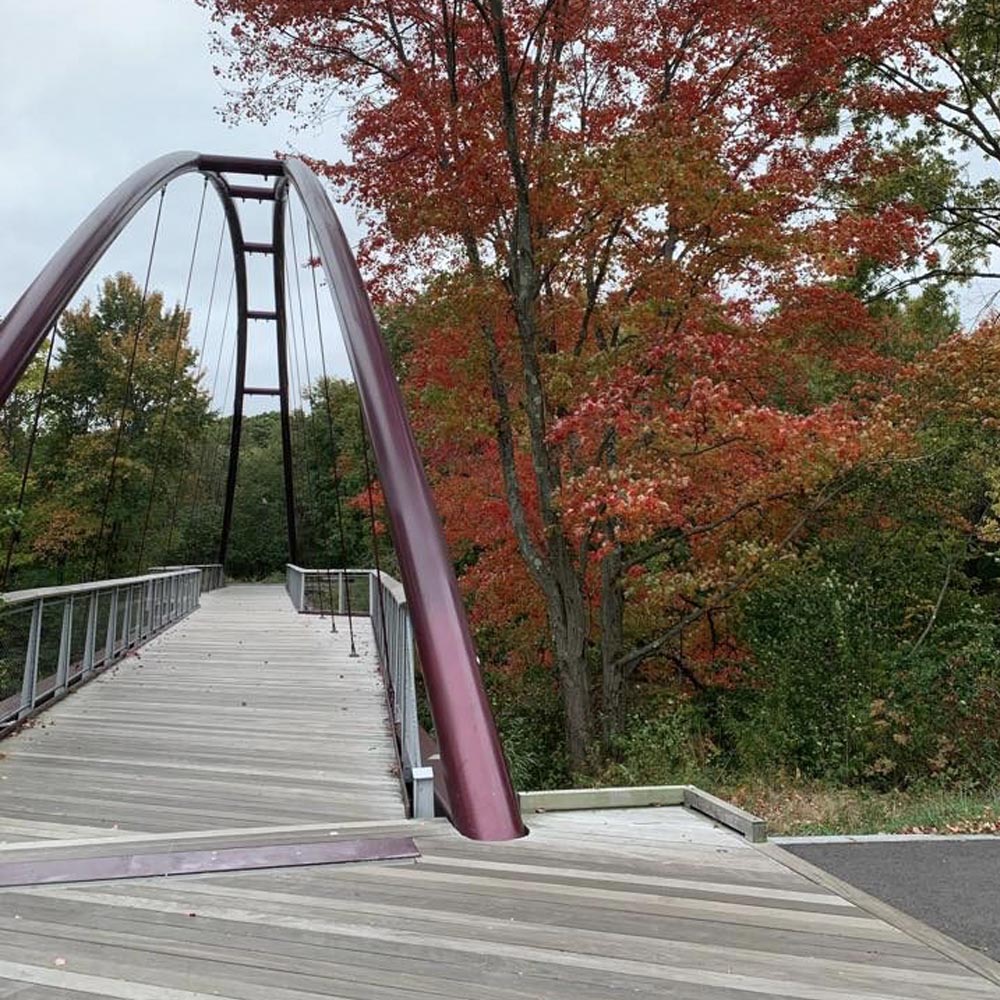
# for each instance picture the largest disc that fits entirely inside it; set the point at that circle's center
(227, 859)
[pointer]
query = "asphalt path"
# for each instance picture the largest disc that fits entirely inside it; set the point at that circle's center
(952, 885)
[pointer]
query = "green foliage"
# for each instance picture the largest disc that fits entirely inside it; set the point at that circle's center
(862, 673)
(528, 714)
(672, 747)
(58, 529)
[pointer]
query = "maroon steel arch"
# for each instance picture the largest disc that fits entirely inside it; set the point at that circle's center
(483, 802)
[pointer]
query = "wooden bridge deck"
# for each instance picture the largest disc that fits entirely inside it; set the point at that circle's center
(244, 714)
(246, 726)
(650, 904)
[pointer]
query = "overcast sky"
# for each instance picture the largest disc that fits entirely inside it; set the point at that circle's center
(92, 90)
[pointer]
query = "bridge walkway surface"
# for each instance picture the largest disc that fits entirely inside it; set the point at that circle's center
(243, 714)
(246, 731)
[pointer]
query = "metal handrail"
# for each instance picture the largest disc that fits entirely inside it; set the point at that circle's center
(213, 575)
(396, 653)
(122, 613)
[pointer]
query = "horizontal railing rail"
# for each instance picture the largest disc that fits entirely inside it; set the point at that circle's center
(52, 638)
(383, 598)
(213, 576)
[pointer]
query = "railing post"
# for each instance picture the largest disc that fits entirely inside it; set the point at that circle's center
(341, 591)
(148, 617)
(302, 590)
(422, 785)
(90, 642)
(127, 621)
(411, 727)
(65, 639)
(112, 634)
(30, 679)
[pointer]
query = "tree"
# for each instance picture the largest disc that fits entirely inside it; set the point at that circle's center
(89, 388)
(951, 143)
(619, 231)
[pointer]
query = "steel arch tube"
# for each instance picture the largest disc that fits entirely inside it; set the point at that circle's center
(483, 801)
(34, 313)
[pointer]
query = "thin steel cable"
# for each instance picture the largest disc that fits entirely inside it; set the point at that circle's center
(178, 335)
(371, 519)
(221, 464)
(312, 411)
(211, 296)
(15, 535)
(201, 368)
(125, 396)
(212, 446)
(333, 442)
(298, 417)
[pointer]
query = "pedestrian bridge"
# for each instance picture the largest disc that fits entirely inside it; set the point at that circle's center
(284, 792)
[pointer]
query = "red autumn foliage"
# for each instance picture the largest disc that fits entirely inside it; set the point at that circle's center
(616, 233)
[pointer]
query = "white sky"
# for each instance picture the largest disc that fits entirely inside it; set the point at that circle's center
(92, 90)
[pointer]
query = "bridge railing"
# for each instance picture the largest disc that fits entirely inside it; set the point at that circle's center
(53, 638)
(315, 591)
(213, 575)
(382, 598)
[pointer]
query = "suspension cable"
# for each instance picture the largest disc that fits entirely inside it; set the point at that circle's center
(305, 351)
(178, 334)
(211, 294)
(181, 479)
(224, 442)
(295, 371)
(371, 519)
(207, 445)
(125, 396)
(334, 456)
(15, 534)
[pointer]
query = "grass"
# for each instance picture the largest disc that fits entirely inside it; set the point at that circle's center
(800, 809)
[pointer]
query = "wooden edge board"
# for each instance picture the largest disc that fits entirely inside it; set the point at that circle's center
(602, 798)
(752, 827)
(968, 957)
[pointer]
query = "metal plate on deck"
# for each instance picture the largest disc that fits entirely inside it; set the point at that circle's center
(226, 859)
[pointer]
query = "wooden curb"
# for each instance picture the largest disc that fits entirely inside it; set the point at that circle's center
(973, 960)
(753, 828)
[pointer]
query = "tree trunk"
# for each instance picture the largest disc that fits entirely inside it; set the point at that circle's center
(612, 629)
(569, 624)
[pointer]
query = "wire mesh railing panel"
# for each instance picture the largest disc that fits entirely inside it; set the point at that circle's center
(138, 613)
(78, 635)
(121, 622)
(15, 628)
(48, 645)
(321, 590)
(102, 647)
